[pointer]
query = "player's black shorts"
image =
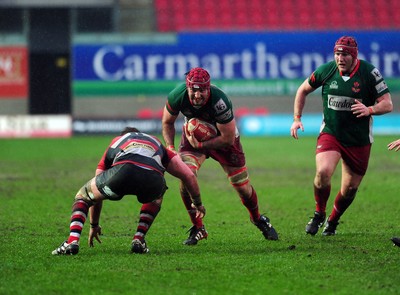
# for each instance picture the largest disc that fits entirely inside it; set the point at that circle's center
(129, 179)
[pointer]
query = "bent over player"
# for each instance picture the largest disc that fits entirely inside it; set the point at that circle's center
(353, 91)
(395, 145)
(197, 98)
(133, 164)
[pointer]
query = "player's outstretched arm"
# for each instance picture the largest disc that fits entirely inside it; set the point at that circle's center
(299, 102)
(177, 168)
(95, 228)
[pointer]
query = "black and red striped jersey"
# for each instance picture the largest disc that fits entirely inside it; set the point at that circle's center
(137, 148)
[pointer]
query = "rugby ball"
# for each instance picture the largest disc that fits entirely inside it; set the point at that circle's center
(201, 130)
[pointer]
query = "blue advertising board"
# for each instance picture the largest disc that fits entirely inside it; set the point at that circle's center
(279, 125)
(240, 56)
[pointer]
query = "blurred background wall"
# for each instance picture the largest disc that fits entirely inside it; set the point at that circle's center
(118, 59)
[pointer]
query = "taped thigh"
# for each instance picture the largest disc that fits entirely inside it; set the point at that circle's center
(239, 177)
(85, 193)
(191, 160)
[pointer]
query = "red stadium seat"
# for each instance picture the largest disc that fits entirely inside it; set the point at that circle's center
(145, 113)
(384, 18)
(158, 114)
(230, 15)
(162, 4)
(261, 111)
(242, 111)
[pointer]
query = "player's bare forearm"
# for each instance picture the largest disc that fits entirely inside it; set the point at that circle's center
(300, 98)
(95, 212)
(299, 103)
(226, 138)
(168, 128)
(384, 105)
(168, 133)
(217, 142)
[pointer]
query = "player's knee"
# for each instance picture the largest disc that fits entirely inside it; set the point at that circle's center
(85, 193)
(239, 178)
(191, 161)
(322, 178)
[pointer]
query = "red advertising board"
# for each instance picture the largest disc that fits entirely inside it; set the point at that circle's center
(13, 72)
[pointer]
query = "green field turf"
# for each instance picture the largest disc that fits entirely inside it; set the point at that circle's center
(39, 178)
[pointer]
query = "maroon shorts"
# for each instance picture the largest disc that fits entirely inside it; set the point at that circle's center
(356, 157)
(231, 156)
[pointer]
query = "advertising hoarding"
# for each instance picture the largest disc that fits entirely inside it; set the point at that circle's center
(13, 72)
(245, 56)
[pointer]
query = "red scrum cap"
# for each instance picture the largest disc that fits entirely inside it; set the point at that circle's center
(198, 78)
(348, 45)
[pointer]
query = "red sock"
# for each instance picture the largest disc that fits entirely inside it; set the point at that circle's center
(80, 210)
(321, 196)
(198, 222)
(340, 206)
(148, 213)
(252, 205)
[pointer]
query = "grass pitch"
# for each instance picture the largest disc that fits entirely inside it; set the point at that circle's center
(40, 177)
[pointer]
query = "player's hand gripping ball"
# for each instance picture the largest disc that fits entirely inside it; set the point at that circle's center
(201, 130)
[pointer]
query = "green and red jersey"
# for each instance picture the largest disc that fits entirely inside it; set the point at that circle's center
(365, 84)
(218, 108)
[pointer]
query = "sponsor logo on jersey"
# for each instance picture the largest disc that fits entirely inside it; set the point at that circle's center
(333, 85)
(225, 116)
(220, 106)
(340, 103)
(375, 72)
(381, 87)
